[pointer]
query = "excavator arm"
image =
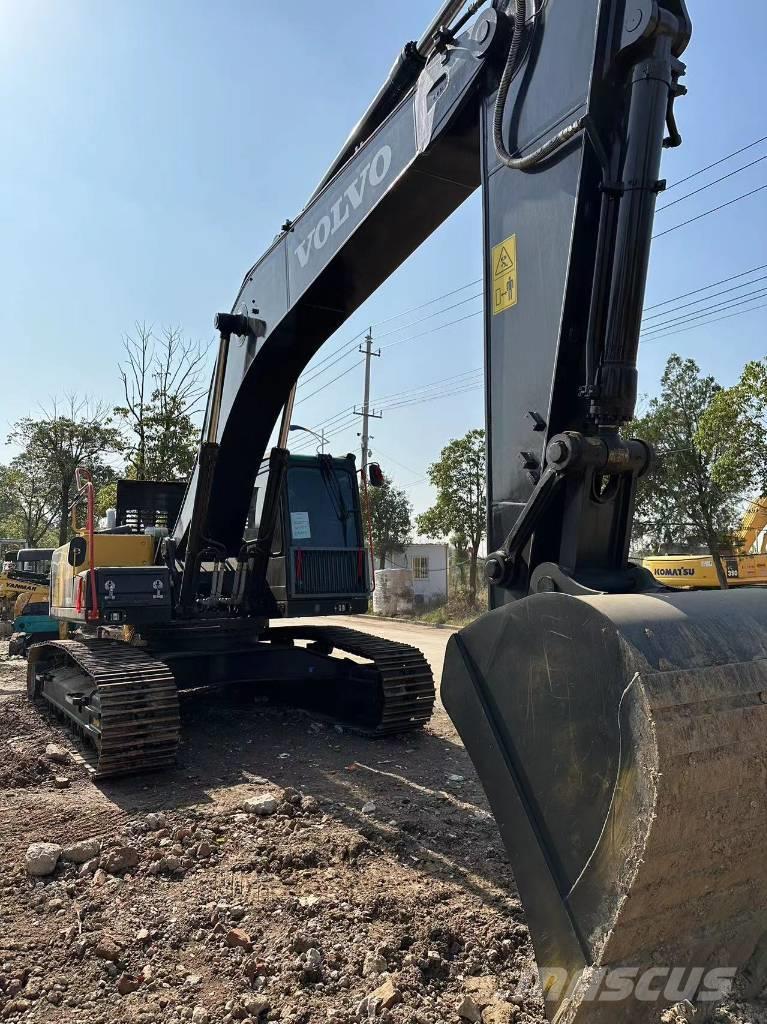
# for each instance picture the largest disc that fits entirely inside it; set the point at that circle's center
(617, 727)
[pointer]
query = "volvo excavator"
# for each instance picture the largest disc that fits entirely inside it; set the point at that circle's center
(618, 726)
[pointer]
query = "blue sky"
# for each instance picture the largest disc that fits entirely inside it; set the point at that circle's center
(152, 150)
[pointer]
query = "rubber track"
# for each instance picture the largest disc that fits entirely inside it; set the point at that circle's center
(140, 724)
(407, 682)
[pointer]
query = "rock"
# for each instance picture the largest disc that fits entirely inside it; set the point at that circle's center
(370, 807)
(120, 859)
(313, 959)
(203, 850)
(107, 949)
(155, 820)
(238, 937)
(309, 804)
(499, 1013)
(128, 983)
(82, 852)
(482, 990)
(263, 805)
(468, 1010)
(61, 781)
(456, 778)
(374, 964)
(387, 995)
(192, 980)
(90, 867)
(171, 865)
(200, 1015)
(56, 754)
(142, 934)
(54, 997)
(42, 858)
(367, 1008)
(256, 1005)
(99, 877)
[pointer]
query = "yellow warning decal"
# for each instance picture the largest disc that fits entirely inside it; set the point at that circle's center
(504, 261)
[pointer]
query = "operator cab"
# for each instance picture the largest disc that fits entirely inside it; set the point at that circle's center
(318, 563)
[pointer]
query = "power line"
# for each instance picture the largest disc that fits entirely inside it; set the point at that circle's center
(423, 387)
(707, 213)
(716, 163)
(682, 330)
(705, 287)
(715, 308)
(346, 344)
(441, 327)
(695, 302)
(414, 309)
(711, 184)
(433, 393)
(304, 445)
(324, 386)
(329, 419)
(430, 316)
(390, 458)
(319, 373)
(346, 350)
(396, 316)
(692, 314)
(432, 398)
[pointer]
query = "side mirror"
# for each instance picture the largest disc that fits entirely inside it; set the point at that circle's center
(77, 551)
(375, 475)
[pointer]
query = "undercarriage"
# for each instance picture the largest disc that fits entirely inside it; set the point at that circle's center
(121, 696)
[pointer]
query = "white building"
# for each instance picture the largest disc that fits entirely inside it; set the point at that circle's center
(429, 565)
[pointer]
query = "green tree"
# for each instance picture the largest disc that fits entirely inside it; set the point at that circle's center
(71, 434)
(461, 506)
(735, 427)
(163, 390)
(28, 501)
(693, 494)
(391, 516)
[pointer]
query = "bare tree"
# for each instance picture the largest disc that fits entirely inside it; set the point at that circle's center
(163, 387)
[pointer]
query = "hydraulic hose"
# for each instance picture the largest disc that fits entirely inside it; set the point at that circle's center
(524, 163)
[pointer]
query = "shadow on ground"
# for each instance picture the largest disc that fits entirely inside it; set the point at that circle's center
(430, 809)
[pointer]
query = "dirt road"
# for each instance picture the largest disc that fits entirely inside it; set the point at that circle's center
(283, 871)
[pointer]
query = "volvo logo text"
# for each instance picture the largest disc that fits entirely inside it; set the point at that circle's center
(372, 174)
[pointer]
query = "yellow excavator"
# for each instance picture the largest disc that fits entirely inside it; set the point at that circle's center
(619, 727)
(24, 571)
(746, 566)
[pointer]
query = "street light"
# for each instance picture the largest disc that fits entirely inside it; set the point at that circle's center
(306, 430)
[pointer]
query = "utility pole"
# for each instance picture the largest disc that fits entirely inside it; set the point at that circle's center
(366, 412)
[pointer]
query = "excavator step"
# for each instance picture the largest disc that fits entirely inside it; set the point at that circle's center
(622, 741)
(116, 696)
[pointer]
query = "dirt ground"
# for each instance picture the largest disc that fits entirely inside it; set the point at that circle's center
(377, 872)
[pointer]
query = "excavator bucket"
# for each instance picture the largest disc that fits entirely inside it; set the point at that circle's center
(622, 742)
